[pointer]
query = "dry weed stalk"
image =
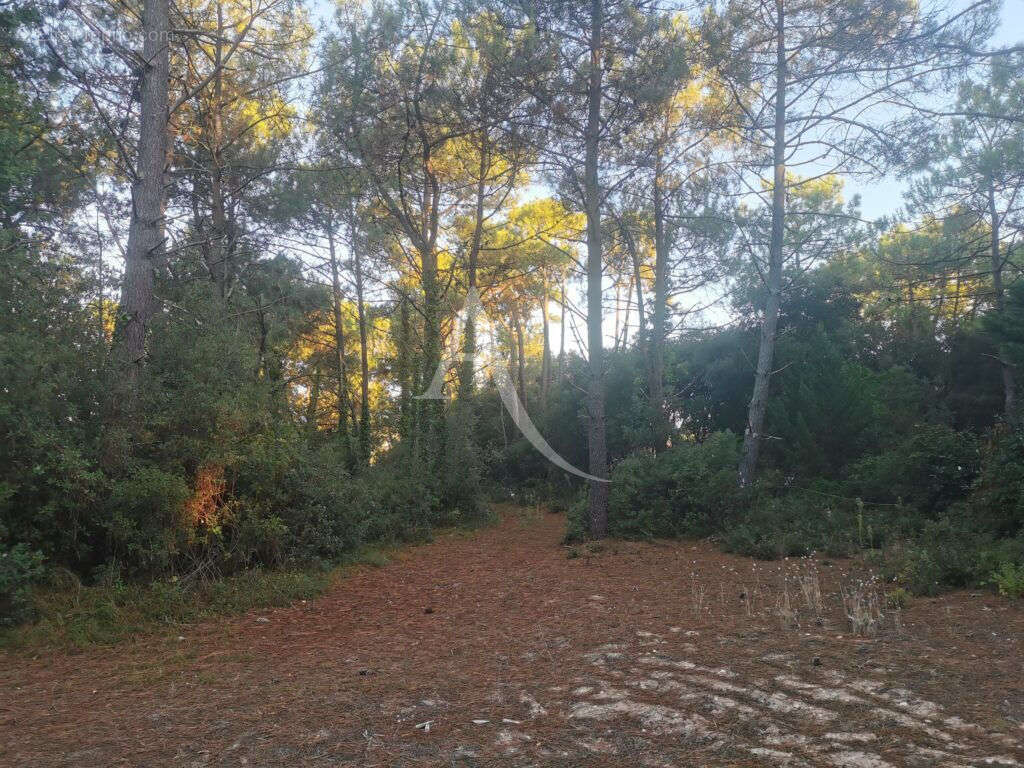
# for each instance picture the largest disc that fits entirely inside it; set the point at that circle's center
(784, 608)
(698, 592)
(810, 587)
(863, 607)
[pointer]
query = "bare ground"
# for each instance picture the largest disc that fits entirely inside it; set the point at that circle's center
(496, 649)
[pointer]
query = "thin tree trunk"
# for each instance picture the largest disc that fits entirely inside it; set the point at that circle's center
(404, 366)
(314, 402)
(430, 435)
(145, 233)
(1009, 398)
(545, 363)
(634, 255)
(561, 330)
(625, 321)
(467, 372)
(365, 436)
(597, 447)
(517, 327)
(769, 325)
(339, 339)
(618, 313)
(219, 246)
(656, 379)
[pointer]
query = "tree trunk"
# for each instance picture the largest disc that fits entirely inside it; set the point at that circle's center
(430, 436)
(656, 376)
(545, 362)
(517, 327)
(769, 325)
(145, 233)
(365, 436)
(314, 402)
(634, 255)
(1009, 395)
(339, 340)
(467, 372)
(218, 246)
(404, 370)
(596, 438)
(561, 330)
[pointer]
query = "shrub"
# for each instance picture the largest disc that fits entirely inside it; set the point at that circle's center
(73, 615)
(20, 569)
(930, 469)
(685, 491)
(1009, 580)
(145, 524)
(794, 525)
(948, 553)
(997, 501)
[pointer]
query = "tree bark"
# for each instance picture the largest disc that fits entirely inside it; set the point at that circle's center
(467, 373)
(145, 232)
(1009, 394)
(769, 325)
(656, 380)
(218, 242)
(517, 327)
(365, 434)
(339, 339)
(404, 370)
(545, 362)
(561, 329)
(597, 447)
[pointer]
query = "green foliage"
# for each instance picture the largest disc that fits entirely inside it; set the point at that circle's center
(944, 554)
(20, 569)
(145, 524)
(50, 487)
(929, 469)
(997, 501)
(1009, 580)
(798, 524)
(72, 615)
(687, 490)
(826, 411)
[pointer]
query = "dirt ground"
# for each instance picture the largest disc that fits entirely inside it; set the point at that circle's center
(495, 648)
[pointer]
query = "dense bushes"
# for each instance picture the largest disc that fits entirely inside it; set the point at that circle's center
(225, 475)
(874, 445)
(20, 569)
(688, 490)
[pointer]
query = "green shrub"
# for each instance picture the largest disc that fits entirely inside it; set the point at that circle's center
(947, 554)
(794, 525)
(20, 569)
(688, 490)
(1009, 580)
(929, 470)
(73, 615)
(145, 524)
(997, 501)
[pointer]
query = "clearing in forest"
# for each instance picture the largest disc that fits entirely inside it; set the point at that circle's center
(495, 648)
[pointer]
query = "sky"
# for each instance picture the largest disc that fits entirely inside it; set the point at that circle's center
(882, 197)
(879, 197)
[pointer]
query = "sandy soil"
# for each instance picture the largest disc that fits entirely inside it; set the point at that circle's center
(496, 649)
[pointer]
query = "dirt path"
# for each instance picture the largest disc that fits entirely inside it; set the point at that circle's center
(641, 654)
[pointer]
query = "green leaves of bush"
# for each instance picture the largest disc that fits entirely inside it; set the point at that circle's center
(688, 490)
(20, 569)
